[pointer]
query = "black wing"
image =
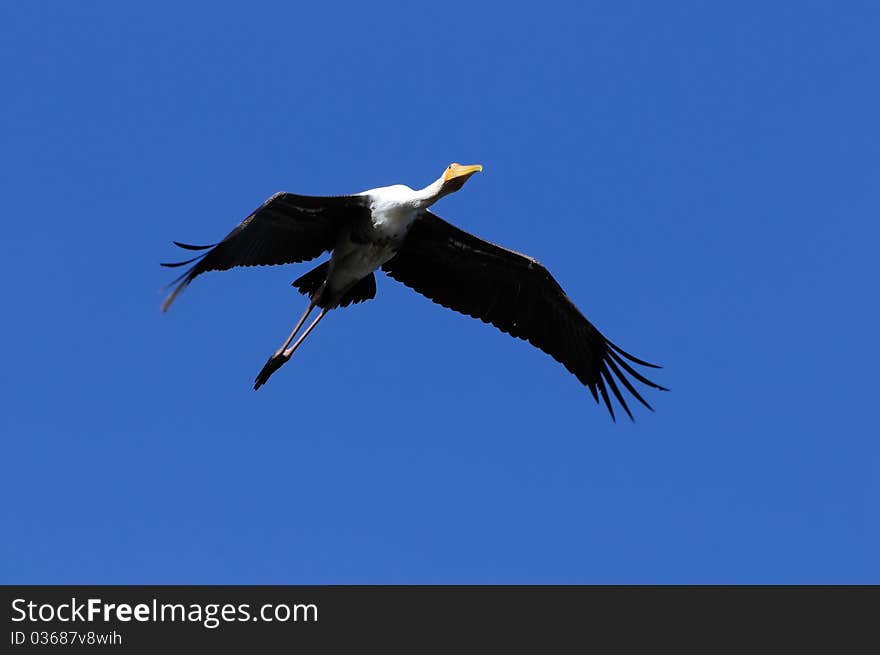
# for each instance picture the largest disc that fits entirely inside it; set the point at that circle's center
(286, 229)
(516, 294)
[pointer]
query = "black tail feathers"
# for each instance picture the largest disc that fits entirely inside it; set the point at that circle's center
(312, 282)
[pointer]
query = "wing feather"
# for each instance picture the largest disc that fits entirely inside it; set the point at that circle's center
(519, 296)
(286, 229)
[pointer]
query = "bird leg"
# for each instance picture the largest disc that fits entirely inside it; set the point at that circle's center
(299, 324)
(292, 349)
(277, 360)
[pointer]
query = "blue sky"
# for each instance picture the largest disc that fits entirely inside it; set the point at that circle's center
(702, 180)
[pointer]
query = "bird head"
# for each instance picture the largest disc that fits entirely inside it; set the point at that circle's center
(456, 175)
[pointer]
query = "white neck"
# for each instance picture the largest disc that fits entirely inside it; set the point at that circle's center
(430, 194)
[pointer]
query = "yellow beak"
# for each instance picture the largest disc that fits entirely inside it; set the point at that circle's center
(457, 170)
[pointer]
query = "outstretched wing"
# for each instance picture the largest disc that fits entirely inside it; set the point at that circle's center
(286, 229)
(516, 294)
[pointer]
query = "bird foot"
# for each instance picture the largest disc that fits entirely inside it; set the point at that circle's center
(275, 362)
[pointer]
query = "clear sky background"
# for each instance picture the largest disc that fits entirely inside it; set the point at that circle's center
(702, 179)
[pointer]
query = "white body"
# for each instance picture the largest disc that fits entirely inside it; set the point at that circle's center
(363, 250)
(394, 208)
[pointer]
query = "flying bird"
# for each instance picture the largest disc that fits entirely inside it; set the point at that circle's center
(393, 229)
